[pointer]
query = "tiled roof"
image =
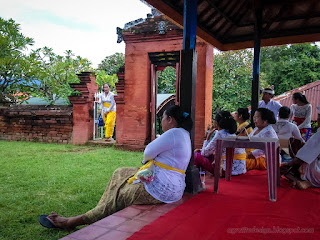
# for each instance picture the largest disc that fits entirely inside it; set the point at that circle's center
(312, 93)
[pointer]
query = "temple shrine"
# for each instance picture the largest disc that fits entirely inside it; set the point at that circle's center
(151, 45)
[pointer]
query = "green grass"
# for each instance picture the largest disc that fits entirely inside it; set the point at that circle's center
(37, 178)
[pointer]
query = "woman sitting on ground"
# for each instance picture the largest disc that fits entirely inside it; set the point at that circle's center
(263, 118)
(171, 153)
(306, 163)
(226, 126)
(301, 111)
(242, 117)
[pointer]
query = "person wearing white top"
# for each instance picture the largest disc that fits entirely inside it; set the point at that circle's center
(308, 163)
(301, 112)
(267, 103)
(171, 153)
(225, 126)
(263, 118)
(284, 128)
(108, 110)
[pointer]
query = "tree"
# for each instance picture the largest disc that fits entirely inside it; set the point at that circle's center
(15, 67)
(232, 79)
(167, 80)
(55, 72)
(102, 77)
(290, 66)
(112, 63)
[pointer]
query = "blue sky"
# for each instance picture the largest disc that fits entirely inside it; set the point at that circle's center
(88, 28)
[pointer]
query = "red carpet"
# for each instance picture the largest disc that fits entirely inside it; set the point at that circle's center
(241, 210)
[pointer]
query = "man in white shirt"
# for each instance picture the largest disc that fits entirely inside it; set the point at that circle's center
(266, 102)
(284, 128)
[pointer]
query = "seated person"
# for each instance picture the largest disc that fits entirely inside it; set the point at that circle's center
(171, 153)
(307, 163)
(284, 128)
(263, 118)
(226, 126)
(242, 117)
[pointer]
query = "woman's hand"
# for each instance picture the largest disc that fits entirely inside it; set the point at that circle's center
(100, 111)
(197, 150)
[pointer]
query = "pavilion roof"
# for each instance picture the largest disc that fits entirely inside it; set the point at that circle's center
(229, 24)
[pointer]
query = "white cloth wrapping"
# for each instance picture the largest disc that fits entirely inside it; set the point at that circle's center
(272, 106)
(286, 130)
(172, 148)
(209, 147)
(310, 154)
(304, 111)
(107, 99)
(266, 132)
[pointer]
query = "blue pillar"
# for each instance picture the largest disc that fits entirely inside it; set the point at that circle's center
(188, 83)
(256, 60)
(189, 24)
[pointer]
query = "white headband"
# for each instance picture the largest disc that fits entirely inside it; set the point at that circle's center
(268, 91)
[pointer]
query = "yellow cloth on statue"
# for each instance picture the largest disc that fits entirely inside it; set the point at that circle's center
(148, 164)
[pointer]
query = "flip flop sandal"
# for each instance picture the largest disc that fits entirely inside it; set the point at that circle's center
(45, 222)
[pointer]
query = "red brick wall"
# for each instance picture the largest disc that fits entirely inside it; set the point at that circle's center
(133, 117)
(36, 123)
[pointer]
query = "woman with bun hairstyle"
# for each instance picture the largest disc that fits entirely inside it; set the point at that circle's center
(170, 153)
(242, 117)
(301, 112)
(225, 126)
(263, 118)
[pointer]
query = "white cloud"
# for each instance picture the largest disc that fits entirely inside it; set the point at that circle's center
(88, 28)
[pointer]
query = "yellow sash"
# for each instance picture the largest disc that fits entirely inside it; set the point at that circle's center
(242, 156)
(162, 165)
(148, 164)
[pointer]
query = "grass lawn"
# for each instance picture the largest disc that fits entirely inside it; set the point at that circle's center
(37, 178)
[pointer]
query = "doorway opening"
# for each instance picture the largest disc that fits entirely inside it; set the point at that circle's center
(165, 85)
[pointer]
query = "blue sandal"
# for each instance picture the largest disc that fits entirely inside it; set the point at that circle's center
(44, 221)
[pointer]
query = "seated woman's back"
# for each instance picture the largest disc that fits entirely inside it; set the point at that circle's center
(172, 148)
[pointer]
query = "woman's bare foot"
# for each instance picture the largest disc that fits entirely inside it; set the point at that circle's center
(302, 185)
(60, 222)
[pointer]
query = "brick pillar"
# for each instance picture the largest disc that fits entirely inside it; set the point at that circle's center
(83, 107)
(120, 127)
(204, 91)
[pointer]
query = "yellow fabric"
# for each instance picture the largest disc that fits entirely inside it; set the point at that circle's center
(109, 120)
(249, 130)
(148, 164)
(106, 104)
(162, 165)
(258, 163)
(242, 156)
(243, 125)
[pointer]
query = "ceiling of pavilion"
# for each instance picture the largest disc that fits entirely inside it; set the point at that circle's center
(229, 24)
